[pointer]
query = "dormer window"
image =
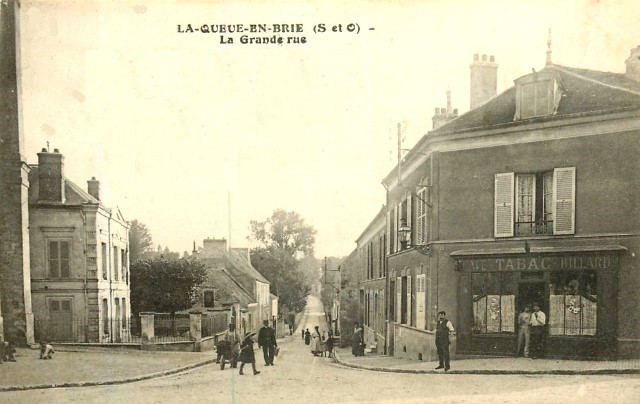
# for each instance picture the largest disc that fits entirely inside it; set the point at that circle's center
(537, 94)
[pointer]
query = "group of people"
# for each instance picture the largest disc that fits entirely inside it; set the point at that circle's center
(8, 350)
(242, 350)
(320, 346)
(531, 332)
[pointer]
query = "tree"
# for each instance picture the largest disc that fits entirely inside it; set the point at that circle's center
(162, 285)
(285, 240)
(286, 231)
(140, 241)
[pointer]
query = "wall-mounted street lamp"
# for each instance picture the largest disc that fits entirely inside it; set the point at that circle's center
(404, 234)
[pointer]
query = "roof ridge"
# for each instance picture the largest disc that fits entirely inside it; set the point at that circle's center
(580, 76)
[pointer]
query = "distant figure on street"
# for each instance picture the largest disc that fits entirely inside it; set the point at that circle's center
(234, 341)
(443, 329)
(267, 341)
(307, 337)
(46, 350)
(537, 329)
(316, 347)
(357, 342)
(246, 353)
(524, 334)
(8, 351)
(329, 344)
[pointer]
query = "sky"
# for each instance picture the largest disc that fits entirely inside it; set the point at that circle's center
(195, 138)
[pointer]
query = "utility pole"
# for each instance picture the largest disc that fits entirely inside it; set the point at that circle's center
(399, 152)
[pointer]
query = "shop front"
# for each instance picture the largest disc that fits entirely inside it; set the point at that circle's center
(576, 288)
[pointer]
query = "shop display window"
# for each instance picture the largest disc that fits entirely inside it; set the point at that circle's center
(573, 303)
(494, 299)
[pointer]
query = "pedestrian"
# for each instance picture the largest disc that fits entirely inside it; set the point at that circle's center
(233, 338)
(316, 348)
(8, 351)
(307, 337)
(329, 344)
(537, 329)
(443, 329)
(267, 341)
(246, 353)
(302, 332)
(524, 333)
(46, 350)
(357, 342)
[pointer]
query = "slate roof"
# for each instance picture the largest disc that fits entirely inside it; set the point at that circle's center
(228, 291)
(585, 91)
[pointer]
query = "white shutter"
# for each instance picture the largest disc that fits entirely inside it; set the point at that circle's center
(564, 196)
(419, 212)
(409, 213)
(420, 309)
(503, 205)
(398, 299)
(408, 299)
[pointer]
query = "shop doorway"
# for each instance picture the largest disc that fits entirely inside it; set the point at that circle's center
(531, 293)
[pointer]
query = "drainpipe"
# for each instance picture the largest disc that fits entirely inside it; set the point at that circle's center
(386, 277)
(110, 273)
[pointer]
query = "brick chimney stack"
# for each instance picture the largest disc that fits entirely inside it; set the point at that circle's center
(214, 248)
(444, 115)
(93, 187)
(50, 176)
(633, 64)
(484, 79)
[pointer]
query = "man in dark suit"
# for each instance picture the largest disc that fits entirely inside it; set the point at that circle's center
(267, 340)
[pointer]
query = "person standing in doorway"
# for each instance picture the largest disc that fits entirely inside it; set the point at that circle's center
(537, 328)
(267, 340)
(443, 329)
(524, 333)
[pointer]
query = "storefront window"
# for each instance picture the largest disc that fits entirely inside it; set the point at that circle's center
(493, 302)
(573, 303)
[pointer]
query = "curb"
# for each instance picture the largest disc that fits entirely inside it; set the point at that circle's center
(109, 382)
(490, 372)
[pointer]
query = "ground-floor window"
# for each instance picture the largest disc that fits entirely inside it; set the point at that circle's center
(494, 300)
(573, 303)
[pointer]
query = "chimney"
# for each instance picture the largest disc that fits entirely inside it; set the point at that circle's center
(93, 186)
(444, 115)
(484, 79)
(633, 64)
(50, 176)
(214, 248)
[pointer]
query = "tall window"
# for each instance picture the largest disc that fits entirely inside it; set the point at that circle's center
(104, 262)
(124, 313)
(105, 316)
(494, 296)
(59, 259)
(535, 203)
(116, 259)
(124, 266)
(573, 303)
(208, 298)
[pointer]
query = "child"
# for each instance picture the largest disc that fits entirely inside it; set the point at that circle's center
(246, 353)
(46, 350)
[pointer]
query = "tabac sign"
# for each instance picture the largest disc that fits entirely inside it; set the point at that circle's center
(537, 263)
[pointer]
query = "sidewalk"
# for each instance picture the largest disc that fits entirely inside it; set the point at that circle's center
(92, 367)
(488, 366)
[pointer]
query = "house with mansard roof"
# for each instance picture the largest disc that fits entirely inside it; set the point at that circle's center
(530, 197)
(79, 253)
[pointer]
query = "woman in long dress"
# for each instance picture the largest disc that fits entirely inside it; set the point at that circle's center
(356, 341)
(316, 348)
(246, 353)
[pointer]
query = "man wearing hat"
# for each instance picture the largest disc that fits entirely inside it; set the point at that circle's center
(267, 340)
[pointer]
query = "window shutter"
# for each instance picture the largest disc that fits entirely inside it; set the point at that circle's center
(503, 208)
(398, 299)
(408, 299)
(388, 243)
(395, 231)
(564, 195)
(409, 221)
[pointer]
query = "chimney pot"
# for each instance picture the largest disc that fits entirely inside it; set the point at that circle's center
(56, 151)
(484, 58)
(476, 57)
(484, 82)
(492, 59)
(44, 150)
(93, 187)
(455, 112)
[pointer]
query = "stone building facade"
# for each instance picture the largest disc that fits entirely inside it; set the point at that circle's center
(79, 258)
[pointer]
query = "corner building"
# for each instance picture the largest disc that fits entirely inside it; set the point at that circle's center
(530, 198)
